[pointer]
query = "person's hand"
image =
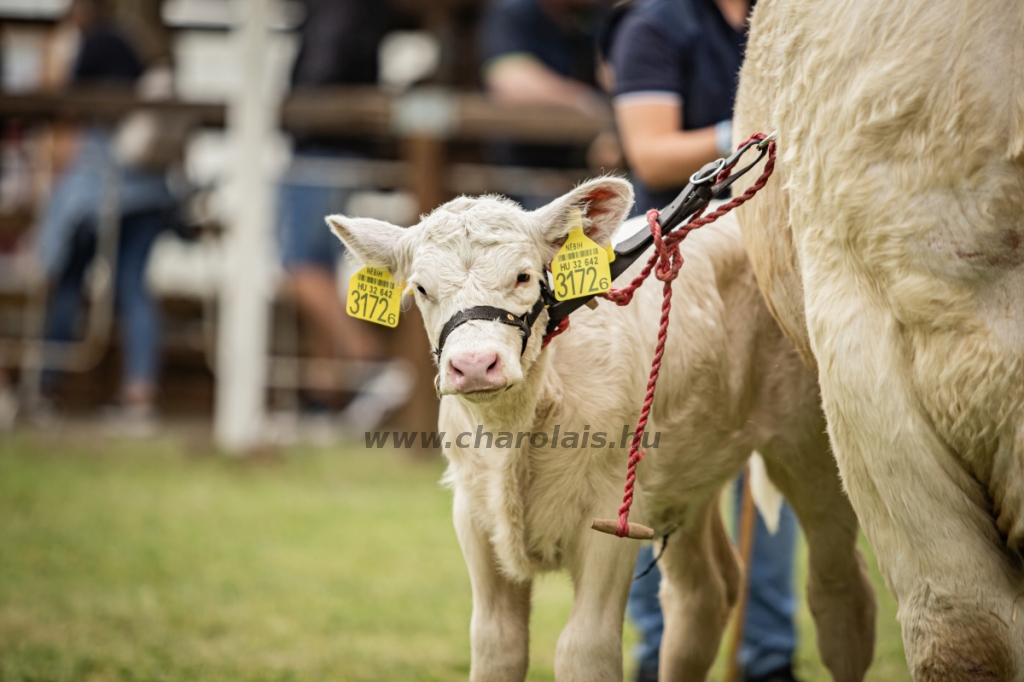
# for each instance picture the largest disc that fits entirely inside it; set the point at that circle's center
(723, 137)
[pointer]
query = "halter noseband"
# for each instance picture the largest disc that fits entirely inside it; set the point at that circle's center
(524, 322)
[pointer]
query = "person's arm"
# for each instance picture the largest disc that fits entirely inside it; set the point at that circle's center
(660, 153)
(652, 73)
(520, 78)
(511, 70)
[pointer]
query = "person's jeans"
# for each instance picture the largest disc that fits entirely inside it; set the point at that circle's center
(139, 314)
(769, 635)
(645, 610)
(303, 238)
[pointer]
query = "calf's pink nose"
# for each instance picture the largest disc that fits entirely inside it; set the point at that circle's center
(476, 372)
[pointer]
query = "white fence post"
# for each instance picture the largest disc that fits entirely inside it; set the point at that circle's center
(244, 308)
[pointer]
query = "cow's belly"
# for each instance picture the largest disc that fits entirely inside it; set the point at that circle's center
(910, 190)
(947, 267)
(968, 360)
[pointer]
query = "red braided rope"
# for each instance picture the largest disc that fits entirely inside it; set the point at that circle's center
(665, 263)
(562, 326)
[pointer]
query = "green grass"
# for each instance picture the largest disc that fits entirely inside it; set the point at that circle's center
(123, 561)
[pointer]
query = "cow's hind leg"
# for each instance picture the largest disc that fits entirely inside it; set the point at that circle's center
(700, 583)
(839, 592)
(927, 519)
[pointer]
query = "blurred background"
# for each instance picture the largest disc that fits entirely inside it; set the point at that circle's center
(166, 166)
(169, 294)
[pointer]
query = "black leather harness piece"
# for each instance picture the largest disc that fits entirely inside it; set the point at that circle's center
(524, 322)
(697, 194)
(702, 189)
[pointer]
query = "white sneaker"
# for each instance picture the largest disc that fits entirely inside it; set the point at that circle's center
(384, 391)
(137, 422)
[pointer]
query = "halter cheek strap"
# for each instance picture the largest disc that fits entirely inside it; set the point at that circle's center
(524, 323)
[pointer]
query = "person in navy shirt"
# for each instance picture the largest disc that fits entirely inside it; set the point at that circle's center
(541, 52)
(554, 39)
(676, 65)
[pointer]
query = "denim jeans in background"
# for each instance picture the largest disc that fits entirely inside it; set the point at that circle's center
(645, 610)
(93, 176)
(139, 314)
(303, 237)
(769, 635)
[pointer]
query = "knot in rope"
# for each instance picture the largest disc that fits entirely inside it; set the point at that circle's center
(668, 258)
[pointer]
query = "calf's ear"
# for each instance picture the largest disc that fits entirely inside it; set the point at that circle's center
(604, 203)
(374, 242)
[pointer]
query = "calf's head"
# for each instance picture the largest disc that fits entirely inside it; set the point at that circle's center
(484, 251)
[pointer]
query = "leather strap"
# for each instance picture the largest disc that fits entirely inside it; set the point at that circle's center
(705, 185)
(524, 323)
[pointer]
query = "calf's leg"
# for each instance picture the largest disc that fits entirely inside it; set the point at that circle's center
(499, 629)
(839, 592)
(590, 647)
(699, 586)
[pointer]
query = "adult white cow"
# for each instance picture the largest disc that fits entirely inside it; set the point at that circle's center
(730, 383)
(890, 245)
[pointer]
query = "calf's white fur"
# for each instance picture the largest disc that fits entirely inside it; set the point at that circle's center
(890, 246)
(730, 383)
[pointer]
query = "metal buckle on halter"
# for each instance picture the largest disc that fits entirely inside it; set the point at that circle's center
(708, 173)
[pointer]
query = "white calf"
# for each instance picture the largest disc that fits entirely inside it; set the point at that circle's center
(890, 245)
(730, 384)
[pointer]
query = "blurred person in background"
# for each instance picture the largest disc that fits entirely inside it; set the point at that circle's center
(674, 67)
(542, 52)
(339, 46)
(95, 174)
(676, 64)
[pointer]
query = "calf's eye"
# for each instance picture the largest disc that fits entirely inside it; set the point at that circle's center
(420, 289)
(523, 278)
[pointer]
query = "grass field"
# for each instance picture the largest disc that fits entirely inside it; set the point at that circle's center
(122, 561)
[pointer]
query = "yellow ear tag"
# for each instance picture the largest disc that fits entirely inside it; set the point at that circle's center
(374, 296)
(581, 266)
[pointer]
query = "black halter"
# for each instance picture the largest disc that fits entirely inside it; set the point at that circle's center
(524, 322)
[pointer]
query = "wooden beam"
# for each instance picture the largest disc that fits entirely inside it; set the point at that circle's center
(102, 104)
(425, 159)
(339, 110)
(342, 110)
(482, 119)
